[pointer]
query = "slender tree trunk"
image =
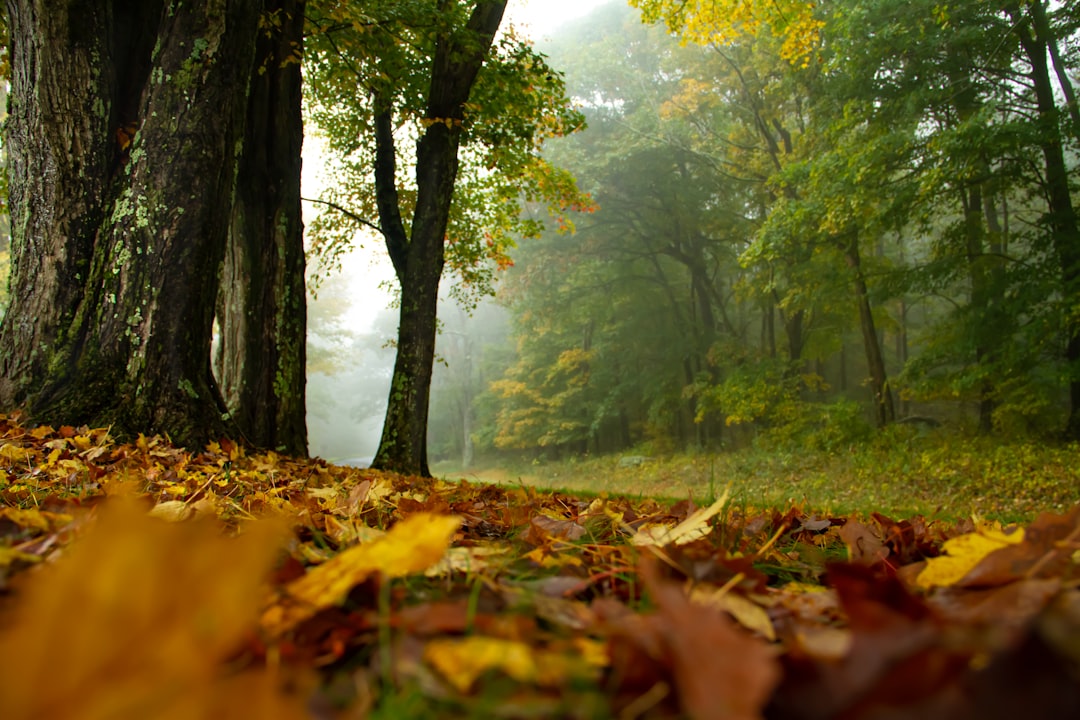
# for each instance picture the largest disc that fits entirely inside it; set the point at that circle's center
(418, 260)
(884, 411)
(986, 334)
(262, 308)
(126, 119)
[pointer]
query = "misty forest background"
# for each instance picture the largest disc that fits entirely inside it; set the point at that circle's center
(779, 254)
(709, 301)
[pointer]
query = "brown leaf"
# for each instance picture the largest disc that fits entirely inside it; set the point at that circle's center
(543, 527)
(1009, 606)
(720, 672)
(864, 547)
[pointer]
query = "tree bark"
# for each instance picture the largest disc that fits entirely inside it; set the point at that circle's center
(884, 411)
(126, 117)
(262, 308)
(418, 261)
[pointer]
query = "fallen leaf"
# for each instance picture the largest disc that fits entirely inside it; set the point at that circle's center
(1045, 549)
(719, 671)
(965, 552)
(745, 611)
(462, 661)
(543, 527)
(137, 620)
(864, 547)
(694, 527)
(411, 546)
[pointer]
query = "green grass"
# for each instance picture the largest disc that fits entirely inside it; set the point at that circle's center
(902, 474)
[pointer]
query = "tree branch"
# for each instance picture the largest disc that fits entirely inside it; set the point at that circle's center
(346, 212)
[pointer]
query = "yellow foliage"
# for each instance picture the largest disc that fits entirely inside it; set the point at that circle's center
(722, 22)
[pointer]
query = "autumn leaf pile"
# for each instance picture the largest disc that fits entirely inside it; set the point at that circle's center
(145, 581)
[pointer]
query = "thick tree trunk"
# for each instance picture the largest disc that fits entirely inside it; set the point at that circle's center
(262, 308)
(418, 261)
(884, 411)
(126, 117)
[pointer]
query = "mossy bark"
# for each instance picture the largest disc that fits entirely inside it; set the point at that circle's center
(126, 119)
(262, 309)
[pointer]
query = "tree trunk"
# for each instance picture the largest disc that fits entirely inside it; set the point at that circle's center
(987, 337)
(884, 412)
(1062, 215)
(262, 309)
(418, 260)
(126, 117)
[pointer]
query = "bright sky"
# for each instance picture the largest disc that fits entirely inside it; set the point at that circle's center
(540, 17)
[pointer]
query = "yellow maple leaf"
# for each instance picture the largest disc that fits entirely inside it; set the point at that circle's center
(461, 661)
(411, 546)
(35, 519)
(965, 552)
(13, 453)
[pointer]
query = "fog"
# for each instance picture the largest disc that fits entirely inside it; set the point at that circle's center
(352, 325)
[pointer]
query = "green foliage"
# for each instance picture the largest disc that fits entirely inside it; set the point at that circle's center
(361, 57)
(779, 245)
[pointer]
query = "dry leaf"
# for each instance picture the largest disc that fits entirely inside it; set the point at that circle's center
(720, 672)
(694, 527)
(965, 552)
(413, 545)
(135, 621)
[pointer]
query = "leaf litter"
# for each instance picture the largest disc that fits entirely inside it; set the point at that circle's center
(142, 580)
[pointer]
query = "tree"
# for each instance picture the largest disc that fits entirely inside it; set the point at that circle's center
(478, 109)
(419, 255)
(126, 120)
(1034, 34)
(262, 310)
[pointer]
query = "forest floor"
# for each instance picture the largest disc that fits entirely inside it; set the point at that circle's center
(142, 580)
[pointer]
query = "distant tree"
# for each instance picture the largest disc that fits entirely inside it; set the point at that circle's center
(1038, 36)
(386, 73)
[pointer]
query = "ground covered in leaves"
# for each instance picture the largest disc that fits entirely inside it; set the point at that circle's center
(145, 581)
